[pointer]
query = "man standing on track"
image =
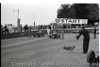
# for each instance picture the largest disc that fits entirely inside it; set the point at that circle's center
(86, 39)
(48, 31)
(94, 32)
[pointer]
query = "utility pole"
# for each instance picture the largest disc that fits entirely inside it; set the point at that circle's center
(18, 21)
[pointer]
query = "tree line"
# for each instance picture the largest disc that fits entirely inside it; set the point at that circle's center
(79, 11)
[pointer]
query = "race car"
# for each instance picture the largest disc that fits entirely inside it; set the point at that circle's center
(55, 35)
(39, 34)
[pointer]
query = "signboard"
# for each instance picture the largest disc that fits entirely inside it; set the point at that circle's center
(71, 21)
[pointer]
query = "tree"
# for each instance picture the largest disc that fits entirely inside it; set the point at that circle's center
(79, 11)
(87, 11)
(66, 11)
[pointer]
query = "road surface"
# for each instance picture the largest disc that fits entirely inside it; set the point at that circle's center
(44, 52)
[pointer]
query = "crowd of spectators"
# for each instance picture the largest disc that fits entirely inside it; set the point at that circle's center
(8, 28)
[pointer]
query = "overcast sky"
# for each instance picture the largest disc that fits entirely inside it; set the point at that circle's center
(28, 13)
(40, 11)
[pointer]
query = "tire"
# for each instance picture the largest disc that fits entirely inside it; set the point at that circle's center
(90, 57)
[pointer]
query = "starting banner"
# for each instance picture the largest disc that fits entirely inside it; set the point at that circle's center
(71, 21)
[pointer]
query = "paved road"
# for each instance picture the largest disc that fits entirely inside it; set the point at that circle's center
(43, 52)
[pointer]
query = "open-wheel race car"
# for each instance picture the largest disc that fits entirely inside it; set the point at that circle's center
(54, 35)
(39, 34)
(93, 57)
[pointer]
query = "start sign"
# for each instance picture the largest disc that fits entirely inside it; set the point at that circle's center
(71, 21)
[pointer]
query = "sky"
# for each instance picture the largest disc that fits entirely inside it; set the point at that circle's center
(29, 13)
(42, 12)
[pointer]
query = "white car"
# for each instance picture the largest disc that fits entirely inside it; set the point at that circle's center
(75, 31)
(97, 32)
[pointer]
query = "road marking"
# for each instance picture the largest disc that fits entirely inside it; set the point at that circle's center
(22, 42)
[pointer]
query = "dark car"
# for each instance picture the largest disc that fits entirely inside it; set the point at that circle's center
(54, 36)
(39, 34)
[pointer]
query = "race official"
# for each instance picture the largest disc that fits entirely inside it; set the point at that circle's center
(86, 39)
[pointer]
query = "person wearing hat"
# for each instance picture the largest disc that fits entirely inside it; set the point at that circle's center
(86, 39)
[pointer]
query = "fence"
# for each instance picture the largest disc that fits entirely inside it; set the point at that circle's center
(16, 35)
(23, 34)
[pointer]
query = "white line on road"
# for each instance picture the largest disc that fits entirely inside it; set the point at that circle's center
(22, 42)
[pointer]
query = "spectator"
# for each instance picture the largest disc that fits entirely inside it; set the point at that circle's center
(29, 32)
(94, 32)
(2, 29)
(49, 27)
(26, 28)
(6, 29)
(48, 31)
